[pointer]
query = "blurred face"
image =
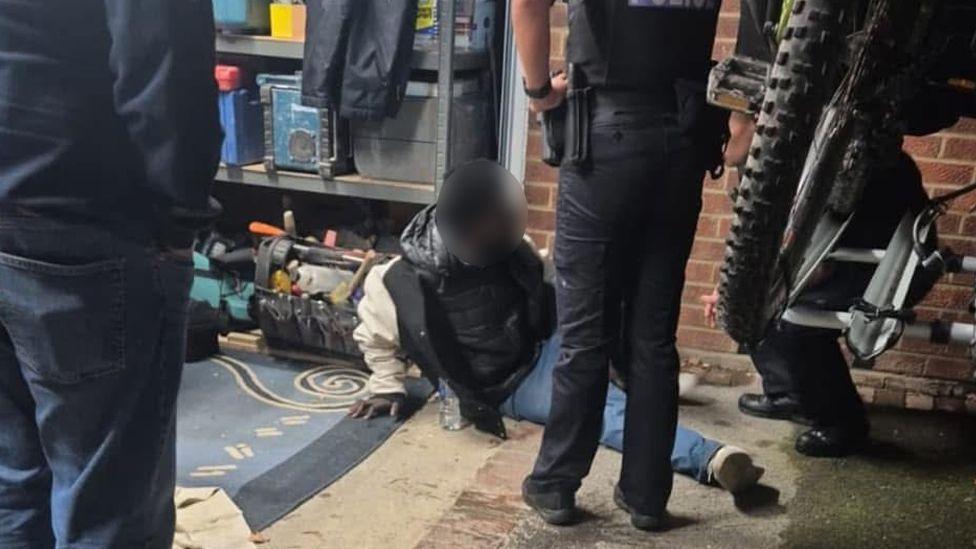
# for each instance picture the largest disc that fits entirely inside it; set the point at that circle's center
(492, 236)
(483, 215)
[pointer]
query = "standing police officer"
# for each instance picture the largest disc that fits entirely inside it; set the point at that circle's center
(638, 140)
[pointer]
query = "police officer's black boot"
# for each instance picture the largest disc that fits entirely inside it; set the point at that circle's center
(833, 441)
(556, 508)
(773, 406)
(828, 394)
(650, 523)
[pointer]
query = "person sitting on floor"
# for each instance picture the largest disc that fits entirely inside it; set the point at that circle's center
(469, 304)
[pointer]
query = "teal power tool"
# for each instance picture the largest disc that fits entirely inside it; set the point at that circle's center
(222, 289)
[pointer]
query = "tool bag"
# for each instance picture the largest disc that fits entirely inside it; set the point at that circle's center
(294, 319)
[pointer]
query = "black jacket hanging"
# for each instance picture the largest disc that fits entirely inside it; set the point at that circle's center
(357, 56)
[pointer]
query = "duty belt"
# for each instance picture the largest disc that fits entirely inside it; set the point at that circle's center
(612, 100)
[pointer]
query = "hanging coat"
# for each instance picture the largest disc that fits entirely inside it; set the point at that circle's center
(357, 56)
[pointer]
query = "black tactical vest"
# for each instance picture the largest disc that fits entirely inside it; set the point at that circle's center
(486, 312)
(480, 330)
(641, 45)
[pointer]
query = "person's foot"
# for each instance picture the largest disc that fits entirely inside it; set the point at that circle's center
(648, 523)
(732, 469)
(772, 407)
(836, 441)
(556, 508)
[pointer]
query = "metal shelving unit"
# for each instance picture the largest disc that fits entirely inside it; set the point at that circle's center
(445, 60)
(266, 46)
(353, 185)
(445, 89)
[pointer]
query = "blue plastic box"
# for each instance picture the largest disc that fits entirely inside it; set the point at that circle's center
(250, 16)
(242, 118)
(300, 138)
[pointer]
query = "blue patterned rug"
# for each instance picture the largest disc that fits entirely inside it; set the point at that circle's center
(272, 432)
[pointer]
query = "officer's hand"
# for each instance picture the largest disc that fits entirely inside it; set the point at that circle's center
(377, 405)
(558, 94)
(711, 302)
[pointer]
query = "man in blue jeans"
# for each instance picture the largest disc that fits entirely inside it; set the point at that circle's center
(109, 139)
(468, 303)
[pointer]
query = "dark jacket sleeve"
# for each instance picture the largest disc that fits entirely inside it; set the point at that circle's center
(162, 59)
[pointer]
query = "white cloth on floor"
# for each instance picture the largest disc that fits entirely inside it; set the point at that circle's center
(206, 518)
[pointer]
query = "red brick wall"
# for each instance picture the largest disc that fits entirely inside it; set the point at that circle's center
(947, 160)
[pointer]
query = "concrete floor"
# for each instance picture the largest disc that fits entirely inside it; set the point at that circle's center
(704, 516)
(915, 487)
(394, 497)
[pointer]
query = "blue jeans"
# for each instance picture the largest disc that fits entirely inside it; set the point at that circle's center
(92, 338)
(531, 402)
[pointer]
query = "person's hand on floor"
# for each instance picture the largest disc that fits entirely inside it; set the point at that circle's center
(711, 307)
(377, 405)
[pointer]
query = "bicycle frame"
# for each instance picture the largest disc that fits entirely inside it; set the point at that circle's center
(863, 128)
(880, 321)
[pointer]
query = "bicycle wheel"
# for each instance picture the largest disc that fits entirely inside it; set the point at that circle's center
(802, 79)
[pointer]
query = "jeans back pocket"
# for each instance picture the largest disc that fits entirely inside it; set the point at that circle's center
(67, 322)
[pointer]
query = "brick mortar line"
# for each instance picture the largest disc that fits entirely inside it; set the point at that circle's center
(947, 160)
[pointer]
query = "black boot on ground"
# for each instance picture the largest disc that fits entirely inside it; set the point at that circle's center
(556, 508)
(765, 406)
(836, 441)
(649, 523)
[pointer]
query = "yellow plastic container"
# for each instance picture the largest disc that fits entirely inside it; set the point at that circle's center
(288, 21)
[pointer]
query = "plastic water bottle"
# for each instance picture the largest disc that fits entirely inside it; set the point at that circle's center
(450, 413)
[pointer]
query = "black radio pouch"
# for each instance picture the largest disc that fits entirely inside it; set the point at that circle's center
(578, 125)
(707, 126)
(553, 124)
(566, 128)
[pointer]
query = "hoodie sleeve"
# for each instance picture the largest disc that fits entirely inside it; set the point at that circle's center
(378, 335)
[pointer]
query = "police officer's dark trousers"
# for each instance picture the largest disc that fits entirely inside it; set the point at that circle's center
(773, 366)
(625, 226)
(812, 360)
